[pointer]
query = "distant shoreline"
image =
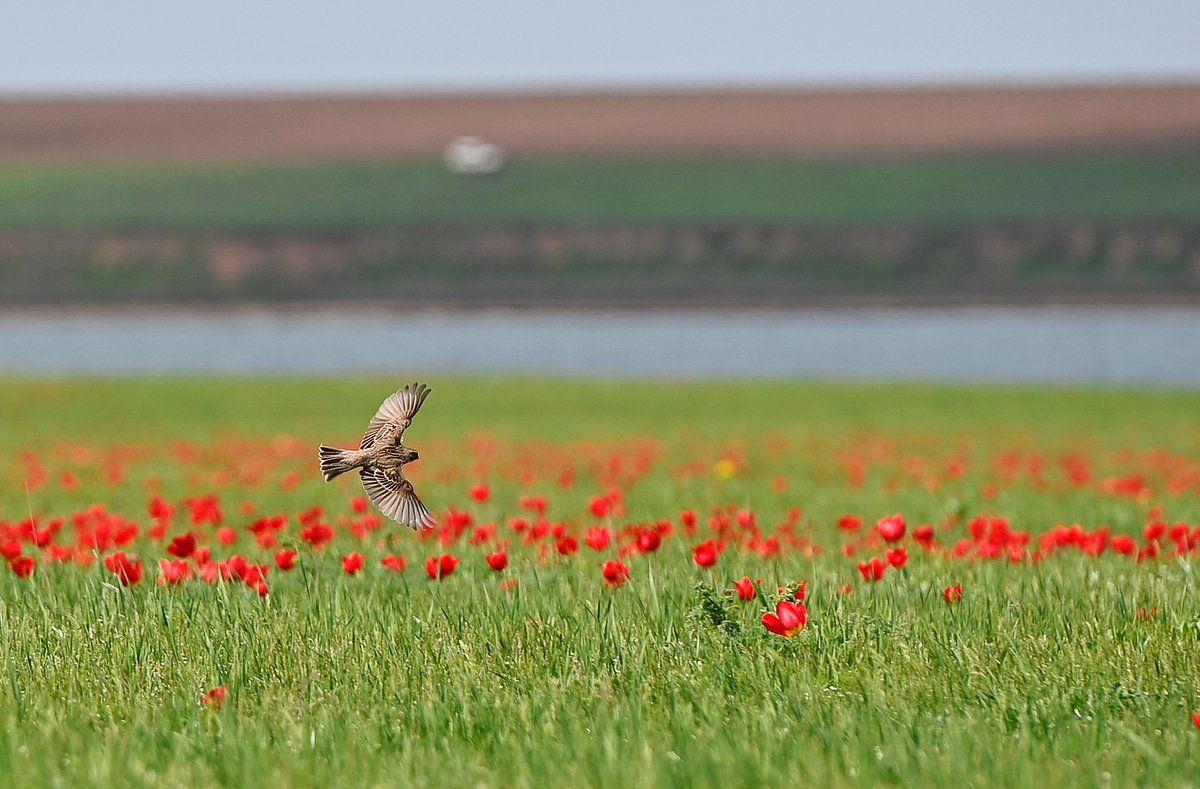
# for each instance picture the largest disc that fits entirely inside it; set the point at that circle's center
(845, 303)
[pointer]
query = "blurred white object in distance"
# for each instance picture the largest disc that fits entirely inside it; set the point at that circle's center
(473, 156)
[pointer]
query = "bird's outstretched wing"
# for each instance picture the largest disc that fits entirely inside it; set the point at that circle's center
(395, 497)
(395, 415)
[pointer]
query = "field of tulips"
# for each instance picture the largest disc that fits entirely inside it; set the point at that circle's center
(636, 584)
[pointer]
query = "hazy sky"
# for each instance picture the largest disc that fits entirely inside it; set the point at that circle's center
(255, 45)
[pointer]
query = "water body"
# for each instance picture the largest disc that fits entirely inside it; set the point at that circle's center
(1141, 346)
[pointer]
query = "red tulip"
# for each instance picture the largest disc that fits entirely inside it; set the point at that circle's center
(897, 557)
(352, 564)
(600, 506)
(567, 546)
(226, 535)
(788, 620)
(439, 567)
(745, 588)
(359, 504)
(536, 504)
(182, 546)
(174, 572)
(394, 563)
(849, 523)
(873, 569)
(498, 560)
(23, 566)
(615, 572)
(480, 493)
(128, 569)
(251, 574)
(891, 528)
(648, 540)
(316, 534)
(953, 594)
(1124, 544)
(214, 698)
(1196, 719)
(205, 509)
(597, 538)
(285, 559)
(705, 554)
(688, 519)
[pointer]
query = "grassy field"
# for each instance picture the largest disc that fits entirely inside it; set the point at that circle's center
(1065, 661)
(345, 195)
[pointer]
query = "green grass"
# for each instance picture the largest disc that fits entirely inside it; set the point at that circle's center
(344, 195)
(1043, 674)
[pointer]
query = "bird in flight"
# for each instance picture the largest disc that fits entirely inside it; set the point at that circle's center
(380, 458)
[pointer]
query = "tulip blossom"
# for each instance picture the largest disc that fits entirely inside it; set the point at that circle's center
(891, 528)
(128, 569)
(214, 698)
(688, 519)
(600, 506)
(896, 557)
(285, 559)
(597, 538)
(394, 563)
(480, 493)
(615, 572)
(705, 554)
(316, 534)
(535, 504)
(849, 523)
(498, 560)
(745, 588)
(23, 566)
(648, 540)
(953, 594)
(173, 573)
(439, 567)
(182, 546)
(873, 569)
(1124, 544)
(788, 620)
(352, 563)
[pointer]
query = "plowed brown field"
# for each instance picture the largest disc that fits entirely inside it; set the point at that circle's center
(846, 122)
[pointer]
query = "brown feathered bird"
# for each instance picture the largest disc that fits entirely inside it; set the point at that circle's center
(381, 456)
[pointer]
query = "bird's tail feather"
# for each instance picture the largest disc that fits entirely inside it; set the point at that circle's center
(335, 461)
